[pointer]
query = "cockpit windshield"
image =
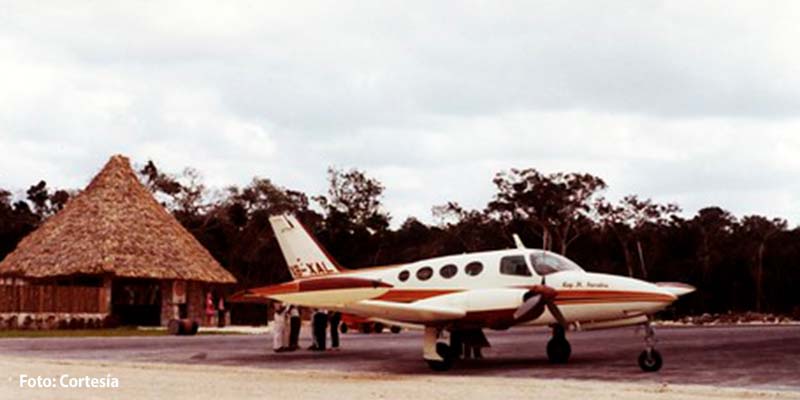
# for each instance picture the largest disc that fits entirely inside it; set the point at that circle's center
(545, 263)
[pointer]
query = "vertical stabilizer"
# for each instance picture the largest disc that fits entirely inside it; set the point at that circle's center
(304, 256)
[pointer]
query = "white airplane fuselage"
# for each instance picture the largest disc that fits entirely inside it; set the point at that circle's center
(468, 292)
(490, 297)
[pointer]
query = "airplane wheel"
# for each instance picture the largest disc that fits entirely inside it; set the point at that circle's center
(650, 360)
(395, 329)
(447, 355)
(378, 327)
(558, 350)
(343, 328)
(366, 328)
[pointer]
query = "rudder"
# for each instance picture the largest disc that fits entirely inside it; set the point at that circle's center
(304, 256)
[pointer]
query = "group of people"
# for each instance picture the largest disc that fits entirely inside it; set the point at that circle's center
(467, 343)
(213, 310)
(287, 325)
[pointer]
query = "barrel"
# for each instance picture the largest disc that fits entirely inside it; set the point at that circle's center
(182, 327)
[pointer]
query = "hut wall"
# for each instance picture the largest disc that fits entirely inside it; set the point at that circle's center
(196, 302)
(171, 298)
(53, 299)
(52, 307)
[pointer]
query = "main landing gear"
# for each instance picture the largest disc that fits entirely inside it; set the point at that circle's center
(650, 359)
(438, 355)
(558, 348)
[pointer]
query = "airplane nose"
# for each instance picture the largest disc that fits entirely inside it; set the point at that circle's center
(655, 290)
(676, 288)
(642, 289)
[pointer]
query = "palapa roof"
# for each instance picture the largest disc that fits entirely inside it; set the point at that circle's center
(114, 227)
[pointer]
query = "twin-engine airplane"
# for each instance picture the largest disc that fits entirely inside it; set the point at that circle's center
(495, 289)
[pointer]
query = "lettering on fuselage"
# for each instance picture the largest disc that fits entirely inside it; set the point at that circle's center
(581, 285)
(316, 268)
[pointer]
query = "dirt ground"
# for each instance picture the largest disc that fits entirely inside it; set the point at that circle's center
(759, 358)
(720, 362)
(166, 381)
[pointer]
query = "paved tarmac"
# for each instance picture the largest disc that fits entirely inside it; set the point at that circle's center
(751, 357)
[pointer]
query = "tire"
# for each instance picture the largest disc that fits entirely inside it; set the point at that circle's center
(194, 328)
(378, 327)
(395, 329)
(558, 350)
(343, 328)
(447, 355)
(650, 361)
(174, 327)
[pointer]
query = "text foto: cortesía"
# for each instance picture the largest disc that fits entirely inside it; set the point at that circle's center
(68, 381)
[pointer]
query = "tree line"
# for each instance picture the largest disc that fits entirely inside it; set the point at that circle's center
(737, 264)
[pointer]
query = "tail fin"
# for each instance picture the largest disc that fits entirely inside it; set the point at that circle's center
(304, 256)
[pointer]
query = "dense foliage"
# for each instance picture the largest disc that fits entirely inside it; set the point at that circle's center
(738, 264)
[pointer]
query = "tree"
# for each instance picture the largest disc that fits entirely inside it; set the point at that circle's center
(759, 230)
(16, 220)
(630, 220)
(472, 229)
(714, 225)
(559, 205)
(183, 195)
(354, 200)
(44, 202)
(236, 229)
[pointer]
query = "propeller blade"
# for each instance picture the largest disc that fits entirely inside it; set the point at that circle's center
(527, 306)
(557, 314)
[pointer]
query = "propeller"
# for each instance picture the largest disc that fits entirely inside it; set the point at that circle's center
(531, 308)
(535, 301)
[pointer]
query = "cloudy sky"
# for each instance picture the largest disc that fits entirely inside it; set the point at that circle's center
(683, 101)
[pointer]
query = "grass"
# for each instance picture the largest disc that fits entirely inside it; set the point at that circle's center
(116, 332)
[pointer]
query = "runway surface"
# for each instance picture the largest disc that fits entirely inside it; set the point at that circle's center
(749, 357)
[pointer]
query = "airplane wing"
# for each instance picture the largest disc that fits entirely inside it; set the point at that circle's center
(352, 295)
(405, 312)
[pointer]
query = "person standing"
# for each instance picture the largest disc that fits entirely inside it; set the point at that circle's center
(457, 343)
(335, 319)
(220, 312)
(295, 324)
(279, 328)
(474, 342)
(209, 309)
(319, 322)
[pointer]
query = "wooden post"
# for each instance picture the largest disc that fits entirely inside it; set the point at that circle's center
(40, 307)
(104, 304)
(169, 309)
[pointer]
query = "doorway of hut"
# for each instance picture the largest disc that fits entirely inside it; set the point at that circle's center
(136, 302)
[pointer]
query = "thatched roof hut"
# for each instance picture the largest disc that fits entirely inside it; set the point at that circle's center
(114, 228)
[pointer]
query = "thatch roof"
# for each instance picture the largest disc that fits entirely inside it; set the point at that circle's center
(114, 227)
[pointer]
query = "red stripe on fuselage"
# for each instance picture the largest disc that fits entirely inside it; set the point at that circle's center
(566, 297)
(319, 284)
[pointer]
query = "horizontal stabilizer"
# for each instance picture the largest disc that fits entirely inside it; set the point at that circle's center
(324, 292)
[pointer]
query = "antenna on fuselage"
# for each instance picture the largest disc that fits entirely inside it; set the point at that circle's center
(518, 241)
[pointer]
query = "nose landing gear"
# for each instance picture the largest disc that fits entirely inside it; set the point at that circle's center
(558, 348)
(650, 359)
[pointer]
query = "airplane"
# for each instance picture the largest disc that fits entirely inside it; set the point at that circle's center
(493, 289)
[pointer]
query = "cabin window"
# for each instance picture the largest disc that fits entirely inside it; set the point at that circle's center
(474, 268)
(448, 271)
(545, 263)
(403, 275)
(424, 273)
(514, 265)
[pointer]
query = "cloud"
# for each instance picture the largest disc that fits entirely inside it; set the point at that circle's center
(695, 103)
